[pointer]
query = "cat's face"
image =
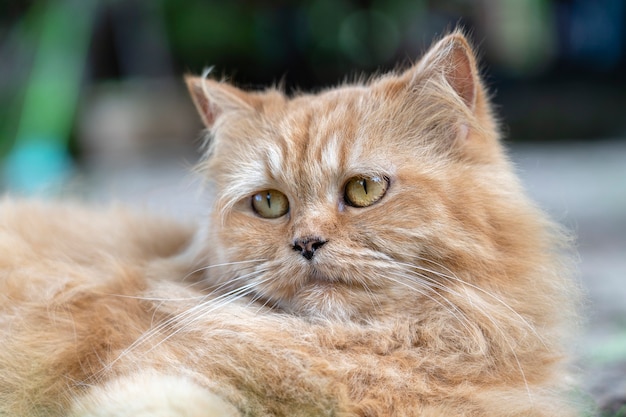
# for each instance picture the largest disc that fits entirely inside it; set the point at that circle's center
(356, 201)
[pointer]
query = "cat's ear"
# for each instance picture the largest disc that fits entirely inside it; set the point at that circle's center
(448, 75)
(213, 98)
(453, 58)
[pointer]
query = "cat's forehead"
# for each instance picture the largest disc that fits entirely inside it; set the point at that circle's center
(310, 143)
(328, 133)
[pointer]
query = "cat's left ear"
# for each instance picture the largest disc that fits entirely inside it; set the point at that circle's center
(213, 98)
(453, 58)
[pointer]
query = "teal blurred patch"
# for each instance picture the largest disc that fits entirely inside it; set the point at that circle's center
(36, 166)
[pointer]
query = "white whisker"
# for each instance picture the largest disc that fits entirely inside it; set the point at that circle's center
(234, 295)
(451, 276)
(208, 267)
(372, 296)
(138, 297)
(465, 322)
(195, 313)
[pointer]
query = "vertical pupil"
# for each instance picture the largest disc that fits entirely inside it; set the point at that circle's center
(269, 199)
(364, 184)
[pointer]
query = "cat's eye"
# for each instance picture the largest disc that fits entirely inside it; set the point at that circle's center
(365, 191)
(270, 204)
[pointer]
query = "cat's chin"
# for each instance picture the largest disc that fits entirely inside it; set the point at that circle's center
(325, 298)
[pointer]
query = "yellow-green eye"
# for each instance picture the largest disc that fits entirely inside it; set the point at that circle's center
(365, 191)
(270, 204)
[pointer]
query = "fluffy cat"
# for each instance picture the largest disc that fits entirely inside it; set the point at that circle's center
(370, 252)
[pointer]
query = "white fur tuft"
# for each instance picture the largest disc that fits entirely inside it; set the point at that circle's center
(152, 395)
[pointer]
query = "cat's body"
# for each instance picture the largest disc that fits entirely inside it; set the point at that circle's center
(369, 253)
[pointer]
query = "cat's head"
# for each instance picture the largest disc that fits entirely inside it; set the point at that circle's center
(364, 199)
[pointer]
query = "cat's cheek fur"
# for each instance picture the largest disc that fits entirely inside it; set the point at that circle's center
(149, 394)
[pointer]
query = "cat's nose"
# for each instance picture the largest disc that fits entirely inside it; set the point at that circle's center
(308, 245)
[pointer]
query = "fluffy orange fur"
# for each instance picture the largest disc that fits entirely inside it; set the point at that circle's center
(447, 296)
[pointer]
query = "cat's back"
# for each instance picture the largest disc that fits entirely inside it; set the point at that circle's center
(54, 242)
(74, 230)
(70, 284)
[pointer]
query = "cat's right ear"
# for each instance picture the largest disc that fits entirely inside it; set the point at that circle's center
(213, 98)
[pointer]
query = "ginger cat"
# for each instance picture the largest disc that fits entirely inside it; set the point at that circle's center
(370, 252)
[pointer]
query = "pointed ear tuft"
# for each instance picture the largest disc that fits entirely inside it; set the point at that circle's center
(213, 98)
(453, 57)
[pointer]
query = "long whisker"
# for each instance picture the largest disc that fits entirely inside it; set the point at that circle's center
(234, 295)
(373, 298)
(143, 298)
(452, 276)
(451, 309)
(238, 292)
(195, 297)
(489, 317)
(163, 326)
(206, 268)
(208, 299)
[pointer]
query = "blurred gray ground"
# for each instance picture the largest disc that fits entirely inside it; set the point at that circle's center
(582, 185)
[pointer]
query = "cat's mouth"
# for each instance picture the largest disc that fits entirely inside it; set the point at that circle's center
(322, 284)
(328, 296)
(330, 285)
(320, 294)
(321, 280)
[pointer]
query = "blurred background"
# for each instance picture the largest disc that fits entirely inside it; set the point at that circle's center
(92, 105)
